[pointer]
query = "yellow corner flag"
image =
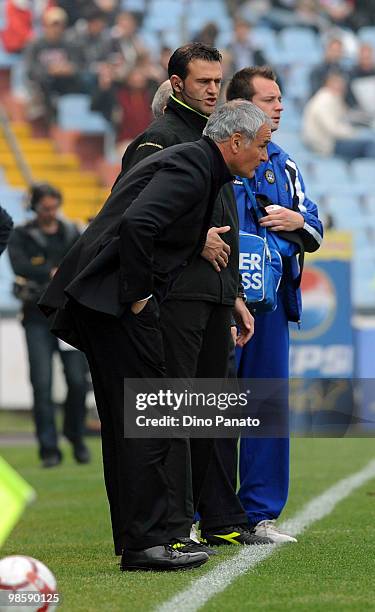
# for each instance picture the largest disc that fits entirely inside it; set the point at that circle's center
(15, 493)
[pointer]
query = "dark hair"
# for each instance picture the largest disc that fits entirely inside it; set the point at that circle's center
(241, 84)
(94, 12)
(179, 60)
(38, 191)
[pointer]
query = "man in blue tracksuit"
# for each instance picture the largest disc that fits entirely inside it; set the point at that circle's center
(264, 463)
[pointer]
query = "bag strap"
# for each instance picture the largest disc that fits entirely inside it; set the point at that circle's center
(255, 206)
(291, 236)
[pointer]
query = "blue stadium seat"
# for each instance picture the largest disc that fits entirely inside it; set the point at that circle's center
(73, 113)
(366, 34)
(297, 83)
(347, 212)
(370, 204)
(363, 280)
(301, 45)
(332, 171)
(13, 202)
(163, 14)
(8, 303)
(7, 60)
(266, 39)
(363, 242)
(290, 117)
(363, 171)
(138, 6)
(290, 142)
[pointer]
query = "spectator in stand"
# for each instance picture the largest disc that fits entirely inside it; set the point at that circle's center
(327, 128)
(53, 64)
(153, 71)
(134, 100)
(365, 65)
(364, 14)
(126, 42)
(242, 48)
(76, 9)
(126, 104)
(208, 34)
(18, 29)
(333, 61)
(361, 87)
(340, 12)
(308, 14)
(92, 35)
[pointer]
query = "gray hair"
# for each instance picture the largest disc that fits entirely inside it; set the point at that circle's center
(160, 98)
(235, 116)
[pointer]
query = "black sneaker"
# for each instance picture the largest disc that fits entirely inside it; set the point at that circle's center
(239, 536)
(160, 559)
(187, 545)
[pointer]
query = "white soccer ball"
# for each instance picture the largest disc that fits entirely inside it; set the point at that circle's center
(26, 585)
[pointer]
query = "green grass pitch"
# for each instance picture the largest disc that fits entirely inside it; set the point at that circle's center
(332, 568)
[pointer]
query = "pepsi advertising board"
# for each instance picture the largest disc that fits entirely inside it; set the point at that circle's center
(323, 346)
(321, 356)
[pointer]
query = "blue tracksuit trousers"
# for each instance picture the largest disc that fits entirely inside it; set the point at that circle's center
(264, 462)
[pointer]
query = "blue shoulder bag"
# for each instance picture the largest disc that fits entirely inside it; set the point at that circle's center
(260, 266)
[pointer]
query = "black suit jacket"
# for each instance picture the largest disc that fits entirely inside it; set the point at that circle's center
(152, 225)
(199, 281)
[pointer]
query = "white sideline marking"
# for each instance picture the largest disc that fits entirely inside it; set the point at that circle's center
(217, 580)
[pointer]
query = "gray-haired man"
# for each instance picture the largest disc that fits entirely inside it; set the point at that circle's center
(105, 300)
(160, 99)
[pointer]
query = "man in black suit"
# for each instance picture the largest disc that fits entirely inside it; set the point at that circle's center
(201, 301)
(105, 300)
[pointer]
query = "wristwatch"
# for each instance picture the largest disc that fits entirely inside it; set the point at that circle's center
(242, 295)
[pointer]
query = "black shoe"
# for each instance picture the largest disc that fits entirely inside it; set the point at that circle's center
(81, 453)
(52, 460)
(160, 559)
(187, 545)
(233, 535)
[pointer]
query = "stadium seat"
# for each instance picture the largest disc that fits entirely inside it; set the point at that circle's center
(300, 45)
(73, 113)
(163, 14)
(290, 142)
(366, 34)
(363, 242)
(297, 83)
(370, 204)
(363, 171)
(332, 171)
(266, 39)
(8, 303)
(138, 6)
(347, 212)
(363, 281)
(7, 60)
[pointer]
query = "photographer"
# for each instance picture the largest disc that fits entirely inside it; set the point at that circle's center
(35, 249)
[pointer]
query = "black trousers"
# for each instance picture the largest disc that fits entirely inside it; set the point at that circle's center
(134, 473)
(219, 506)
(197, 341)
